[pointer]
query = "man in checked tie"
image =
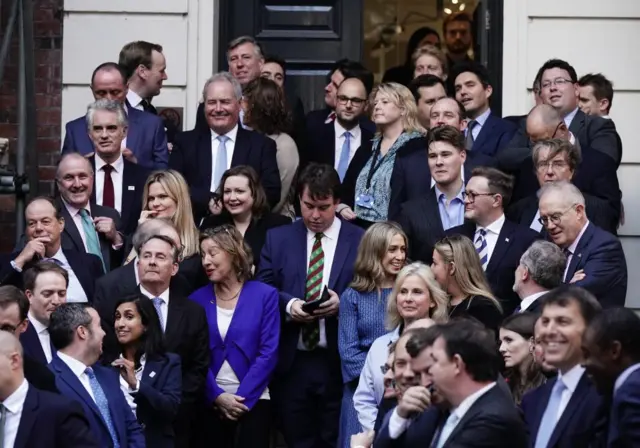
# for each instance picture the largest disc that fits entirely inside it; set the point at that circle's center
(77, 335)
(300, 260)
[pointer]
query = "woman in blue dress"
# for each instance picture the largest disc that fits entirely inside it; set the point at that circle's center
(381, 255)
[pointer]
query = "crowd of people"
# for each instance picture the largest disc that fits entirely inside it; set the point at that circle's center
(400, 268)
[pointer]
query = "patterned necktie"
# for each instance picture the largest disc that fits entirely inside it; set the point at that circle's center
(481, 247)
(469, 140)
(343, 163)
(91, 236)
(550, 416)
(221, 159)
(103, 404)
(311, 331)
(157, 303)
(108, 193)
(3, 419)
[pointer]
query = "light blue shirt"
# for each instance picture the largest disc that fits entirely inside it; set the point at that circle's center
(480, 121)
(453, 214)
(570, 116)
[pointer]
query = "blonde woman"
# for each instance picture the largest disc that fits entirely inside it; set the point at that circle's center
(395, 114)
(429, 60)
(457, 269)
(381, 255)
(416, 295)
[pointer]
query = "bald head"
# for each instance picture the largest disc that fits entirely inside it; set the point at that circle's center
(11, 372)
(155, 226)
(421, 323)
(544, 123)
(9, 344)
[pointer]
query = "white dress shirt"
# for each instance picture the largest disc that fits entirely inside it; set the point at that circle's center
(569, 117)
(116, 176)
(527, 301)
(135, 100)
(571, 249)
(164, 308)
(78, 370)
(127, 391)
(491, 237)
(14, 404)
(624, 376)
(43, 336)
(354, 141)
(75, 291)
(535, 224)
(329, 243)
(570, 380)
(215, 147)
(77, 220)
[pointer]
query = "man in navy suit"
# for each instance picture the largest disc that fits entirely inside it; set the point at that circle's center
(566, 411)
(45, 226)
(34, 418)
(486, 133)
(76, 334)
(499, 242)
(595, 259)
(612, 358)
(118, 182)
(300, 260)
(202, 157)
(146, 142)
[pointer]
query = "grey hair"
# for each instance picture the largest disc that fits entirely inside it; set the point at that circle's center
(149, 228)
(219, 77)
(106, 105)
(545, 262)
(74, 155)
(64, 322)
(557, 146)
(245, 40)
(569, 192)
(175, 250)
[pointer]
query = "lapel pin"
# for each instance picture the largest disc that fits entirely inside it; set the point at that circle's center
(132, 187)
(152, 374)
(507, 240)
(580, 255)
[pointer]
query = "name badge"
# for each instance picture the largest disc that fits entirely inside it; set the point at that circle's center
(131, 187)
(364, 200)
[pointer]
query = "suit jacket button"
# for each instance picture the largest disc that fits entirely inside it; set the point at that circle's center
(143, 426)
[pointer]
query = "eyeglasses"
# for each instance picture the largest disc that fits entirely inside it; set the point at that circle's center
(558, 82)
(555, 165)
(9, 328)
(472, 195)
(355, 101)
(554, 218)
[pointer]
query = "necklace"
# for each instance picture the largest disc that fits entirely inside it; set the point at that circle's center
(229, 299)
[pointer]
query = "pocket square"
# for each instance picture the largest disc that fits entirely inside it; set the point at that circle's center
(131, 187)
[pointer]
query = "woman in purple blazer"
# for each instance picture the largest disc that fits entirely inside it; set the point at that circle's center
(244, 329)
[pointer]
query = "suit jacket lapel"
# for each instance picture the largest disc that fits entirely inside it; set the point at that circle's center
(575, 403)
(27, 419)
(470, 414)
(66, 375)
(92, 159)
(128, 196)
(485, 131)
(71, 230)
(542, 406)
(175, 315)
(576, 257)
(431, 213)
(577, 124)
(329, 136)
(150, 372)
(204, 150)
(241, 148)
(299, 257)
(342, 250)
(32, 341)
(133, 134)
(502, 246)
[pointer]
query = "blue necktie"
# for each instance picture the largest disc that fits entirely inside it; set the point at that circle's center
(221, 159)
(157, 303)
(481, 247)
(103, 405)
(91, 236)
(343, 163)
(550, 417)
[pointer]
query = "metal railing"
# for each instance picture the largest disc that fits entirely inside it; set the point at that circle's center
(17, 180)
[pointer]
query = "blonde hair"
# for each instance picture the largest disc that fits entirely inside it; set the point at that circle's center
(176, 187)
(468, 274)
(438, 312)
(403, 99)
(430, 50)
(230, 240)
(368, 270)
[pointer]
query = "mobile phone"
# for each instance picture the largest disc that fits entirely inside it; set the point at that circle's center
(310, 307)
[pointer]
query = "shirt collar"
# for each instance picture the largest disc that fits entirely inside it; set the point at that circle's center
(574, 245)
(527, 301)
(570, 116)
(470, 400)
(15, 401)
(571, 378)
(339, 130)
(77, 367)
(440, 194)
(624, 376)
(133, 98)
(232, 134)
(495, 226)
(118, 165)
(38, 326)
(164, 296)
(332, 232)
(73, 211)
(482, 118)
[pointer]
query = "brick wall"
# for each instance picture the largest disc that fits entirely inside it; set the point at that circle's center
(47, 17)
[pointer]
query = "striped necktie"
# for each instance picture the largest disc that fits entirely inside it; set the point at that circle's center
(311, 331)
(481, 247)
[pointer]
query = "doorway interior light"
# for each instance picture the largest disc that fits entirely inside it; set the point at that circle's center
(455, 6)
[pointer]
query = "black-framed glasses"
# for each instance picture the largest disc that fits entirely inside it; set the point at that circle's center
(9, 328)
(558, 82)
(554, 218)
(342, 99)
(473, 195)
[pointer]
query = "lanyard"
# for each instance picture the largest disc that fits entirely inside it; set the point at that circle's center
(374, 166)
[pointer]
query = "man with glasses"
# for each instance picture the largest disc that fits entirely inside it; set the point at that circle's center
(499, 242)
(595, 260)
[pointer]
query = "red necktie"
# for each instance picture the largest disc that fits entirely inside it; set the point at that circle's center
(108, 195)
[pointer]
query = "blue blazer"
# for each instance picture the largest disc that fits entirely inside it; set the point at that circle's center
(146, 138)
(494, 135)
(582, 421)
(624, 418)
(52, 421)
(283, 264)
(251, 344)
(127, 428)
(32, 347)
(600, 255)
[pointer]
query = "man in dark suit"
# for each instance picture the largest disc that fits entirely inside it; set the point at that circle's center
(45, 226)
(425, 218)
(426, 90)
(146, 142)
(595, 259)
(566, 411)
(300, 260)
(202, 157)
(540, 270)
(76, 334)
(486, 133)
(14, 309)
(118, 182)
(34, 418)
(89, 227)
(500, 243)
(612, 359)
